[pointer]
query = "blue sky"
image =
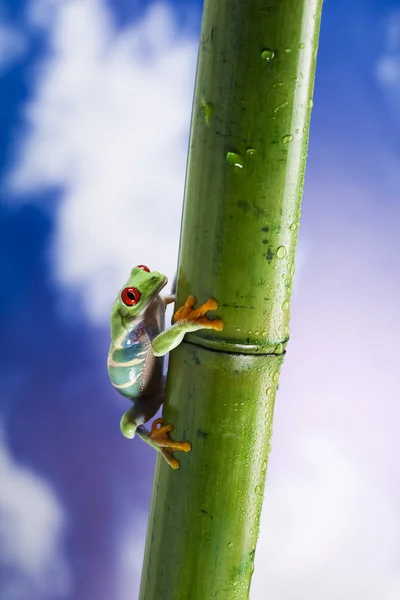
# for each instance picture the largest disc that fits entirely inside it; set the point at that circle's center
(96, 96)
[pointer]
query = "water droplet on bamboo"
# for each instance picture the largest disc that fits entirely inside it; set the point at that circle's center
(250, 151)
(268, 391)
(301, 46)
(293, 226)
(310, 103)
(285, 305)
(257, 489)
(267, 54)
(287, 138)
(207, 109)
(287, 50)
(281, 252)
(234, 159)
(281, 105)
(275, 376)
(230, 544)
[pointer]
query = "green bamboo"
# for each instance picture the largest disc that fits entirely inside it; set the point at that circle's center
(248, 145)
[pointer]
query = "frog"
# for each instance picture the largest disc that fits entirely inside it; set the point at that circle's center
(139, 344)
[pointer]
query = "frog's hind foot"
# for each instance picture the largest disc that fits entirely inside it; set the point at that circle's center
(187, 312)
(160, 437)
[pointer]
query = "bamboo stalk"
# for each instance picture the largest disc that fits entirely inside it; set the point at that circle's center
(248, 144)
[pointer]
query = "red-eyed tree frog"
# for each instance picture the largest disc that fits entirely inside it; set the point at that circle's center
(138, 346)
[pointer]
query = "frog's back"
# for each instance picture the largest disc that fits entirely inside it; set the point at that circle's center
(132, 366)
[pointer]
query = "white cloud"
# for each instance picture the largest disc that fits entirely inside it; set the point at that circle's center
(108, 125)
(31, 528)
(12, 44)
(131, 556)
(328, 530)
(387, 68)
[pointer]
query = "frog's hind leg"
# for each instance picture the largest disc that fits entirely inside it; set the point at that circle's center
(158, 437)
(160, 432)
(130, 422)
(141, 411)
(156, 423)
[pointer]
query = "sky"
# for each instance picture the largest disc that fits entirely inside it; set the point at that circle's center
(94, 119)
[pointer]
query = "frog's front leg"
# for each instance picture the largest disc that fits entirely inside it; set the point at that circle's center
(187, 319)
(169, 299)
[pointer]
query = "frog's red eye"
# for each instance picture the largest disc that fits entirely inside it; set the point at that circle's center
(144, 268)
(130, 296)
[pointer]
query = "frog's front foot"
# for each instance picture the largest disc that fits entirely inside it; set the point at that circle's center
(159, 435)
(187, 312)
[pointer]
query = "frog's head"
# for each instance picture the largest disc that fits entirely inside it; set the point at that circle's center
(138, 292)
